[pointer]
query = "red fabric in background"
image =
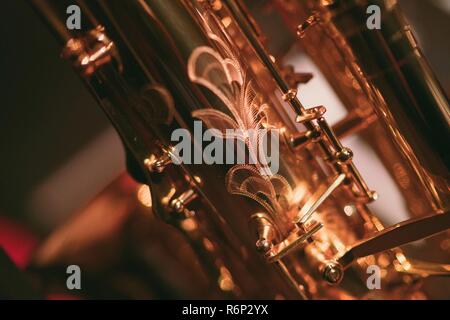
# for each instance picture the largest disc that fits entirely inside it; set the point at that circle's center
(18, 242)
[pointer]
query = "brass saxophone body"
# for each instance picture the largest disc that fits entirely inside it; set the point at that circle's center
(393, 99)
(384, 71)
(303, 232)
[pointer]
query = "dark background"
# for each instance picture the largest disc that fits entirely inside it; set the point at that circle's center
(46, 119)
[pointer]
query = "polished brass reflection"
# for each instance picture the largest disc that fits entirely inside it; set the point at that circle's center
(306, 231)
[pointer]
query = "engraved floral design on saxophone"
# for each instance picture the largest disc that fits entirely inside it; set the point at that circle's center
(224, 76)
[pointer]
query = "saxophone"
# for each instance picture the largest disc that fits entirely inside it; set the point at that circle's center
(300, 229)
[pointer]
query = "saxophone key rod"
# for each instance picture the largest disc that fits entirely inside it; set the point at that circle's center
(397, 235)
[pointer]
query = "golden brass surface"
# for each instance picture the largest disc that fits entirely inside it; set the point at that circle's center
(315, 235)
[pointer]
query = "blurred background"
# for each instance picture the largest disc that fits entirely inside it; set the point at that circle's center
(63, 183)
